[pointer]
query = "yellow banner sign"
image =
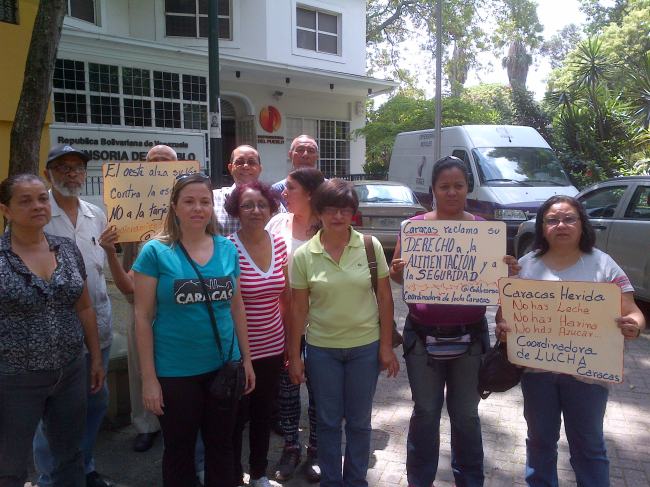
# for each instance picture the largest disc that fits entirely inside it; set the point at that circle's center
(453, 262)
(564, 326)
(136, 195)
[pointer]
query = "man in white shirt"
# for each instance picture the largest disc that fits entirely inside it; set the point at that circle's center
(245, 167)
(303, 152)
(82, 222)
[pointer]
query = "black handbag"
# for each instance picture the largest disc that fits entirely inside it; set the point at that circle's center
(229, 383)
(397, 339)
(497, 373)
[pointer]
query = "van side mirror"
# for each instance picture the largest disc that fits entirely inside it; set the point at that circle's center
(470, 181)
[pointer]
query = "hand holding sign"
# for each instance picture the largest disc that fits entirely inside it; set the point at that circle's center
(136, 195)
(453, 262)
(562, 326)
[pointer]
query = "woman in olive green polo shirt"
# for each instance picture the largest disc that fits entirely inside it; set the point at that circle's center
(349, 332)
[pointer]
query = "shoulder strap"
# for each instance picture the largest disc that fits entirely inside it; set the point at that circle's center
(206, 294)
(372, 260)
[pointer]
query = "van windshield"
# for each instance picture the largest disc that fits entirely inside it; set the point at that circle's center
(519, 166)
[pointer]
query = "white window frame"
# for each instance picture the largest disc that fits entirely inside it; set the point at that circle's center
(152, 98)
(100, 13)
(318, 7)
(202, 42)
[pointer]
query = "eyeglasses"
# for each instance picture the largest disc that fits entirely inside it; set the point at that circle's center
(248, 207)
(308, 150)
(242, 162)
(567, 220)
(333, 210)
(65, 169)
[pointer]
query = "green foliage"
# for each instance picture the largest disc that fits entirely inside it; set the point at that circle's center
(600, 98)
(484, 104)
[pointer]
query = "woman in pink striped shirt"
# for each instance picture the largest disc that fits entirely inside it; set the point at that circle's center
(265, 289)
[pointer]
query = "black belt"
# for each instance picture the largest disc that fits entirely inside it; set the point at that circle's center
(449, 330)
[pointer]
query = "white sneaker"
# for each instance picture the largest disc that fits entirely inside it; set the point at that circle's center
(261, 482)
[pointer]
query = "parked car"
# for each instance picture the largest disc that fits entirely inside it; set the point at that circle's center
(383, 205)
(619, 210)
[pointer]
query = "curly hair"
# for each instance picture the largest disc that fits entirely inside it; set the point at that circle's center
(587, 236)
(232, 202)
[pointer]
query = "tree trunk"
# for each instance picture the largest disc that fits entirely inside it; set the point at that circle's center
(458, 67)
(517, 63)
(37, 86)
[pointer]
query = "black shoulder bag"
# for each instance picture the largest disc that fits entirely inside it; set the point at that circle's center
(229, 383)
(372, 265)
(497, 373)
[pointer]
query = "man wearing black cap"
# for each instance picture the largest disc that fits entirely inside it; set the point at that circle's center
(82, 222)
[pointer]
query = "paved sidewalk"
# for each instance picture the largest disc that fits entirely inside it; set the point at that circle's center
(627, 429)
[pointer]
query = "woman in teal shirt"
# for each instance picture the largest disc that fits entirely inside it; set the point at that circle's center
(176, 341)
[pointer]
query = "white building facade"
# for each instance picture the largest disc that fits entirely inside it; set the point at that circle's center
(133, 73)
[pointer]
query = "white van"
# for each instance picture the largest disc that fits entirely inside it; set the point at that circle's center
(512, 169)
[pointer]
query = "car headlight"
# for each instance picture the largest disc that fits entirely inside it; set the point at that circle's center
(508, 214)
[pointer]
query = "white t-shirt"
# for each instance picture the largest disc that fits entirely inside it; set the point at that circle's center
(282, 224)
(594, 267)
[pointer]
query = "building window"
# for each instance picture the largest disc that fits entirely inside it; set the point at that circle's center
(136, 82)
(82, 10)
(334, 147)
(8, 11)
(105, 110)
(128, 97)
(137, 113)
(189, 18)
(103, 78)
(168, 114)
(317, 31)
(69, 108)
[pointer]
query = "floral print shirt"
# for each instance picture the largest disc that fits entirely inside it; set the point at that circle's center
(39, 327)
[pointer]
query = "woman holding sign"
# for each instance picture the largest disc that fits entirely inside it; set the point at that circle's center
(184, 278)
(565, 242)
(443, 345)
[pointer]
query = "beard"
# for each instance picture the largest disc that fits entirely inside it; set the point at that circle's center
(73, 191)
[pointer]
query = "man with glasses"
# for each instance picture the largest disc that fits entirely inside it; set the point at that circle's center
(244, 167)
(82, 222)
(303, 152)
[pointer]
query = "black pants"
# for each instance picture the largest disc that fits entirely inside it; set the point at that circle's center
(257, 408)
(189, 408)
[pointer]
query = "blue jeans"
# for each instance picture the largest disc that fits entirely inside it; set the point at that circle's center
(343, 381)
(548, 397)
(58, 397)
(97, 406)
(428, 379)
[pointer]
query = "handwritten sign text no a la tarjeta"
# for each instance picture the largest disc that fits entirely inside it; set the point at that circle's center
(564, 326)
(136, 195)
(453, 262)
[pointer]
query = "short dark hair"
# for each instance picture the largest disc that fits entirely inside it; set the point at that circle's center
(309, 178)
(232, 202)
(449, 162)
(587, 237)
(337, 193)
(7, 186)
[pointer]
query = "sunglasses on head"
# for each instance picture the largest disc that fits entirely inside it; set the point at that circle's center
(199, 175)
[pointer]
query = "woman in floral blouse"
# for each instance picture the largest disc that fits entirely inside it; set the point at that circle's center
(45, 312)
